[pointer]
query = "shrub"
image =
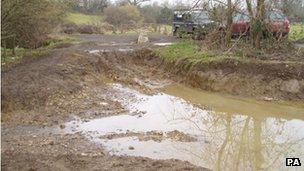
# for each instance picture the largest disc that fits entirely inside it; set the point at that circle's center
(123, 16)
(26, 23)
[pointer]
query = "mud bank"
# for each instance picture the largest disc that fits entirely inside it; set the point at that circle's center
(266, 80)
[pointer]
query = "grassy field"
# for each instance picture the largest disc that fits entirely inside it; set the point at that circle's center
(82, 19)
(21, 53)
(297, 32)
(188, 50)
(85, 19)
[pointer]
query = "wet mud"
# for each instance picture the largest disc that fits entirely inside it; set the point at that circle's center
(98, 105)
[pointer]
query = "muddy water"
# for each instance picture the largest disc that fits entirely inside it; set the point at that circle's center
(229, 133)
(233, 105)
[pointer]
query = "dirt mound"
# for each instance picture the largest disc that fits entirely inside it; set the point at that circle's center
(47, 90)
(31, 83)
(69, 80)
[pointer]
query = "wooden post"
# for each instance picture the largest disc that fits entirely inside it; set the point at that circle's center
(4, 48)
(14, 44)
(229, 23)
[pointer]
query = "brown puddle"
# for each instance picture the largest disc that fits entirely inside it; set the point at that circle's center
(232, 105)
(231, 134)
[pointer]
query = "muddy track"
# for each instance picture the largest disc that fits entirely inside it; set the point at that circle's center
(71, 83)
(43, 93)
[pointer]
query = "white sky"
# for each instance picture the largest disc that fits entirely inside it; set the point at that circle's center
(171, 2)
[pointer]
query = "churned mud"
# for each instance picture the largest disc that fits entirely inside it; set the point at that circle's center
(108, 103)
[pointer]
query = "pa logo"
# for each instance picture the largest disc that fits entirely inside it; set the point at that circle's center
(293, 162)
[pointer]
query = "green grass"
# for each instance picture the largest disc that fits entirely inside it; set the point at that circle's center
(297, 32)
(189, 51)
(21, 53)
(82, 19)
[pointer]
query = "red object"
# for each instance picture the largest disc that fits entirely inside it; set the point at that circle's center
(277, 23)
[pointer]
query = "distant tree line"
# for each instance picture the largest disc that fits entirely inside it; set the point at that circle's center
(122, 17)
(153, 13)
(88, 6)
(294, 9)
(157, 13)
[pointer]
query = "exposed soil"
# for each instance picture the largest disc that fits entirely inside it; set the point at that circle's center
(155, 136)
(48, 91)
(51, 90)
(26, 149)
(262, 79)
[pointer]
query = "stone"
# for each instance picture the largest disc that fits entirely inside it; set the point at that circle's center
(291, 86)
(62, 126)
(142, 38)
(51, 142)
(84, 154)
(268, 99)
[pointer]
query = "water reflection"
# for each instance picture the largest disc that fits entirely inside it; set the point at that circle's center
(252, 143)
(234, 140)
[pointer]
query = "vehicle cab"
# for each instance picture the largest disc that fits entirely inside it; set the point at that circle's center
(191, 22)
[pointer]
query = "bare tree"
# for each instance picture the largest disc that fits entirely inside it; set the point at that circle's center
(136, 2)
(257, 21)
(229, 22)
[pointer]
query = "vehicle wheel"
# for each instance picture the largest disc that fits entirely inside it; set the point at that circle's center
(196, 35)
(285, 36)
(222, 33)
(175, 32)
(179, 33)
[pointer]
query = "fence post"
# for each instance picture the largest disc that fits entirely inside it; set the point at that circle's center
(14, 52)
(4, 48)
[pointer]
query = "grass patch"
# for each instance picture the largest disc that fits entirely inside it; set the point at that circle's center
(21, 53)
(83, 19)
(190, 51)
(297, 32)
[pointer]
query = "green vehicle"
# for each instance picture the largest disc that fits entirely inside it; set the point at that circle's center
(194, 22)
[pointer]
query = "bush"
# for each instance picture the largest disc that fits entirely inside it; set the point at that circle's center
(70, 28)
(90, 29)
(86, 29)
(27, 23)
(122, 17)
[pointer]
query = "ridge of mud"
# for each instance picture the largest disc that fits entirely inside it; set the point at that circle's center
(66, 74)
(267, 80)
(155, 136)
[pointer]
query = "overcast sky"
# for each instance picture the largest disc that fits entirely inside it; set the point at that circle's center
(171, 2)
